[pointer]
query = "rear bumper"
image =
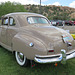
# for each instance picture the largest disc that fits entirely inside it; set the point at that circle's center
(55, 58)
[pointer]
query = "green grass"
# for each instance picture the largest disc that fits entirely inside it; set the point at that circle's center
(9, 66)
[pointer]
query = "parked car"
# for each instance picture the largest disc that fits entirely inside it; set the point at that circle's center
(69, 23)
(31, 37)
(59, 23)
(53, 22)
(56, 22)
(74, 22)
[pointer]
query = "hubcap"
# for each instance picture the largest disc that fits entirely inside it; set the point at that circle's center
(20, 56)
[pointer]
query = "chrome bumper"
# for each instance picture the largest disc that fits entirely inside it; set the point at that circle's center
(55, 58)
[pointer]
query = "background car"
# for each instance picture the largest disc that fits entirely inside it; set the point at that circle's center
(53, 22)
(56, 22)
(74, 22)
(69, 23)
(59, 23)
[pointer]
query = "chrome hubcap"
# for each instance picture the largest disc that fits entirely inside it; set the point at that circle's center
(20, 56)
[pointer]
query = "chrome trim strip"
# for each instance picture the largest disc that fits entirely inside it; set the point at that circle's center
(55, 59)
(54, 55)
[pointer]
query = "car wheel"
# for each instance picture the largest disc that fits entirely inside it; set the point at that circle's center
(21, 59)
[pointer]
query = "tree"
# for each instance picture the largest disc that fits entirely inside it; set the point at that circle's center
(73, 19)
(9, 7)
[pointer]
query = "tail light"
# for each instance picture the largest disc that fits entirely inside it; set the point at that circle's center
(57, 22)
(69, 44)
(51, 51)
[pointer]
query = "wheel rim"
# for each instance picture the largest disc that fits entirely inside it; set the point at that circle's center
(21, 59)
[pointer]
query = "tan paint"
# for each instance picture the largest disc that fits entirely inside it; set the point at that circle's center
(44, 37)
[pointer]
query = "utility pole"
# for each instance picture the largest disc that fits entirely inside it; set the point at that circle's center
(40, 2)
(40, 7)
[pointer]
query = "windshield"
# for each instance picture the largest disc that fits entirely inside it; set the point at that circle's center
(37, 20)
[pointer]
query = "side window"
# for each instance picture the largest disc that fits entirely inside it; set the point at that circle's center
(11, 21)
(5, 21)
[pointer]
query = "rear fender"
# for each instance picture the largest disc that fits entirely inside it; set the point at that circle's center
(21, 44)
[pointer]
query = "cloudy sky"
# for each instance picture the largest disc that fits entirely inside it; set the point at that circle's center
(70, 3)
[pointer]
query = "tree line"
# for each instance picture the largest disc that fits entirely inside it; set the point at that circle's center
(9, 7)
(51, 12)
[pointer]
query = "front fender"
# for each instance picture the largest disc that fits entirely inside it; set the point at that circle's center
(21, 44)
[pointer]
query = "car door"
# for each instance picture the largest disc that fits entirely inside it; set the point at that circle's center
(12, 30)
(3, 29)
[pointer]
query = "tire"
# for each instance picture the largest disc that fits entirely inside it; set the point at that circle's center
(21, 59)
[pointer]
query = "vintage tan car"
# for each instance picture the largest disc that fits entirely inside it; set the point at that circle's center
(31, 37)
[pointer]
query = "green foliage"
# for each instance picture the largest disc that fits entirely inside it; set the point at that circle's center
(33, 9)
(51, 12)
(73, 19)
(9, 7)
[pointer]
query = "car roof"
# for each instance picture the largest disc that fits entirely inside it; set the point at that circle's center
(24, 13)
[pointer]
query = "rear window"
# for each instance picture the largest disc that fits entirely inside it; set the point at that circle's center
(37, 20)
